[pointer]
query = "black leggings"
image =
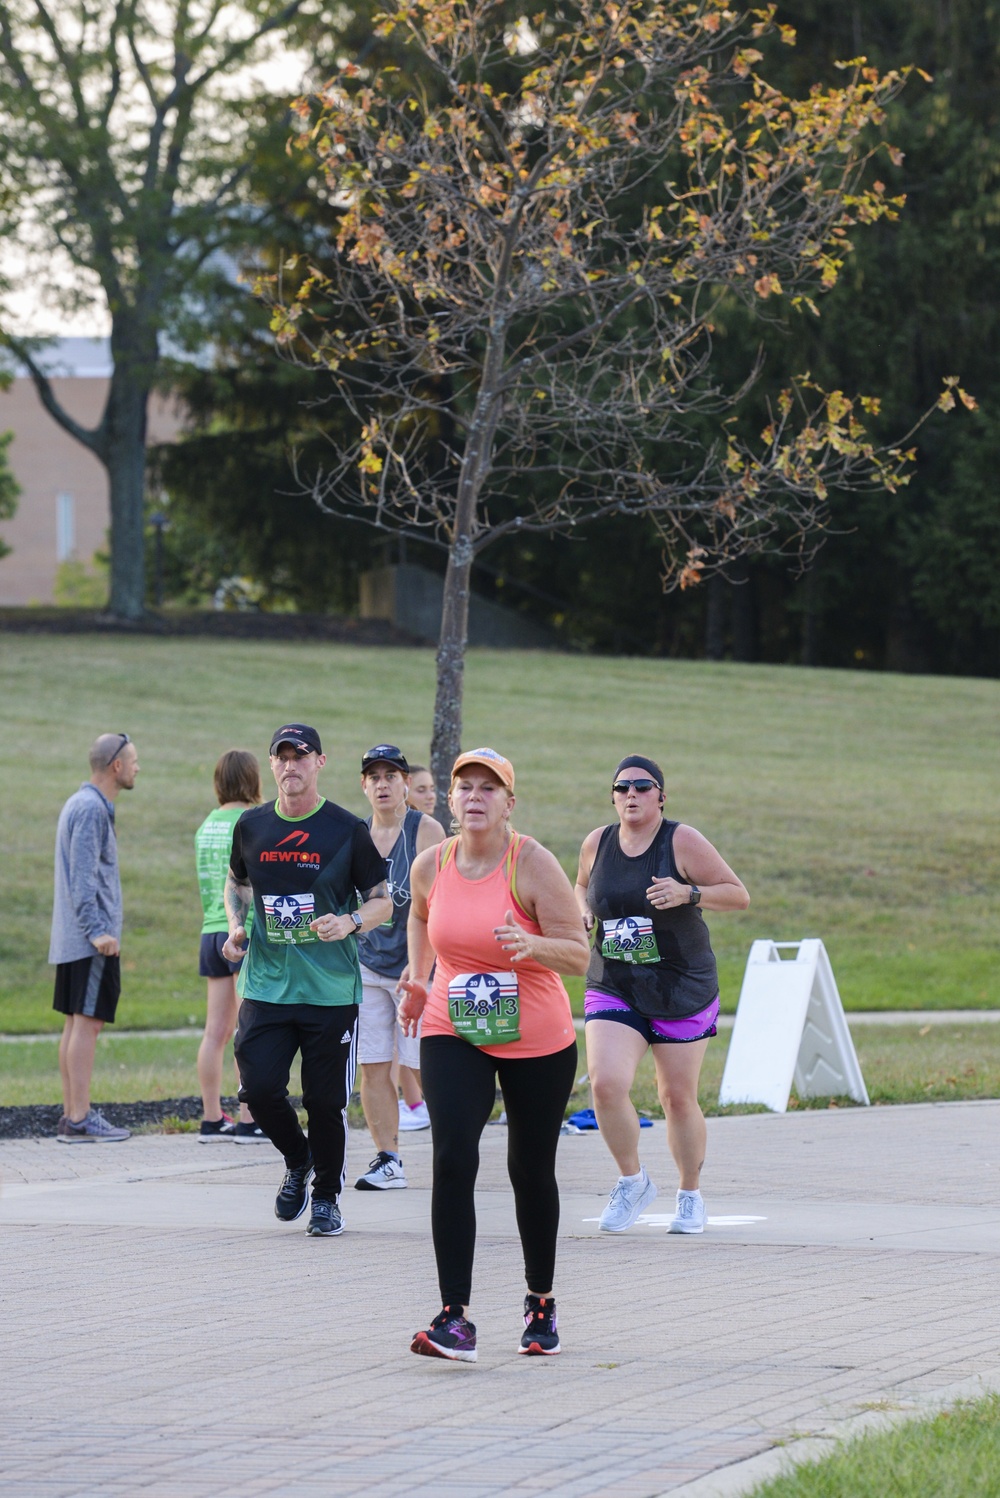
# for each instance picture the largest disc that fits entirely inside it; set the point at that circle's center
(459, 1085)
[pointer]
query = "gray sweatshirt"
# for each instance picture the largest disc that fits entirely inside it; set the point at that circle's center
(88, 892)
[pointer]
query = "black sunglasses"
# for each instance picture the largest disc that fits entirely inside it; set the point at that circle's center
(123, 739)
(621, 787)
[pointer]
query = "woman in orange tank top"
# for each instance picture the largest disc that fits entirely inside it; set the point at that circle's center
(494, 916)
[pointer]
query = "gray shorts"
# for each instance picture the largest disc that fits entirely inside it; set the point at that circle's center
(379, 1035)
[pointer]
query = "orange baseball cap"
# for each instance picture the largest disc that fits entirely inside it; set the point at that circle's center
(490, 760)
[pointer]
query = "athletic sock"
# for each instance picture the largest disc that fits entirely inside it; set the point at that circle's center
(634, 1180)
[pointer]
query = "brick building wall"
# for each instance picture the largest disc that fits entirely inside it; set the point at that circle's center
(63, 511)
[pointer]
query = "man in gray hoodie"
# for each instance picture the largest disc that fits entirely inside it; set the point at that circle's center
(87, 929)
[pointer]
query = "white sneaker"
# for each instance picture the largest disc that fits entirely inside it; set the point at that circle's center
(385, 1173)
(627, 1200)
(413, 1118)
(690, 1214)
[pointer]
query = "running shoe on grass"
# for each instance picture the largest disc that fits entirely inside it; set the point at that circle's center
(450, 1336)
(541, 1337)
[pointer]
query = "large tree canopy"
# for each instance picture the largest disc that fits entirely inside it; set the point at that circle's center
(128, 129)
(541, 222)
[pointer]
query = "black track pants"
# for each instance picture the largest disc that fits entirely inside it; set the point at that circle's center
(459, 1085)
(267, 1038)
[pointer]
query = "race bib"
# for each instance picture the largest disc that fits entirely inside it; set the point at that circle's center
(287, 917)
(630, 938)
(484, 1007)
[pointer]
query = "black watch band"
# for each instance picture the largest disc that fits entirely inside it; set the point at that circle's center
(694, 895)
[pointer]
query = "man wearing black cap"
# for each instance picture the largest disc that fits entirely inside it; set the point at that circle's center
(301, 861)
(399, 833)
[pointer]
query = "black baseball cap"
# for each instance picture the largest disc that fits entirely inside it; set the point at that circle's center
(385, 754)
(299, 735)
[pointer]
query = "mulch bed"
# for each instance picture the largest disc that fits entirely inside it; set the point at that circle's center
(219, 624)
(41, 1120)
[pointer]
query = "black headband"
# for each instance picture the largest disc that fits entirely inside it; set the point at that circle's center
(646, 764)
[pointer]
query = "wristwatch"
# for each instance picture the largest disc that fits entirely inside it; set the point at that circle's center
(694, 895)
(358, 919)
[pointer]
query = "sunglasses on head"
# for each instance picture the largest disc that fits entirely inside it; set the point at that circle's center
(123, 739)
(621, 787)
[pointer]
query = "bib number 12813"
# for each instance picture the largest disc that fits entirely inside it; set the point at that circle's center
(485, 1008)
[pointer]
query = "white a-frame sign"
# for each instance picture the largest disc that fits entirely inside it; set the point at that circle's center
(789, 1026)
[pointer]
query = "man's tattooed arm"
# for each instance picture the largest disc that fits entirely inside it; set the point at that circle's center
(237, 899)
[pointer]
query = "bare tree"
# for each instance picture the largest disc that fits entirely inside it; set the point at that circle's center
(126, 147)
(543, 220)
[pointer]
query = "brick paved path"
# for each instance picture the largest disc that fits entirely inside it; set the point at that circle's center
(163, 1335)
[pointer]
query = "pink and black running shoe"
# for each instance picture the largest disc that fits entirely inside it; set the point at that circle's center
(541, 1337)
(450, 1336)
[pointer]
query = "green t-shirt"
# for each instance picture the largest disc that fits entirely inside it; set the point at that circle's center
(213, 846)
(300, 868)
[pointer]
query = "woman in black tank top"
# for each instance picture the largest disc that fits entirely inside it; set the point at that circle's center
(642, 885)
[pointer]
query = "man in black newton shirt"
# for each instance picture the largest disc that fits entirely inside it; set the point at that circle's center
(301, 862)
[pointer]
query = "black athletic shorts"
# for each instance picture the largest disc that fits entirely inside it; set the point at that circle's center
(211, 963)
(89, 986)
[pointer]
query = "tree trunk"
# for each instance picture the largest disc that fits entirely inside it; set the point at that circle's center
(446, 741)
(119, 443)
(134, 353)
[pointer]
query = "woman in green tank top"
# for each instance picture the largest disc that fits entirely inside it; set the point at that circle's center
(237, 788)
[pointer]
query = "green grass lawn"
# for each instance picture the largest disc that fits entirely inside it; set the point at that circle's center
(857, 807)
(955, 1454)
(900, 1065)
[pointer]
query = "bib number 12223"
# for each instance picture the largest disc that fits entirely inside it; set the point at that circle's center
(484, 1007)
(629, 939)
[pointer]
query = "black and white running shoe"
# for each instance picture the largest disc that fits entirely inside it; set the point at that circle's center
(217, 1130)
(293, 1197)
(325, 1220)
(385, 1173)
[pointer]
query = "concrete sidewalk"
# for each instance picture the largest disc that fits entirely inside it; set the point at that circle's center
(164, 1335)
